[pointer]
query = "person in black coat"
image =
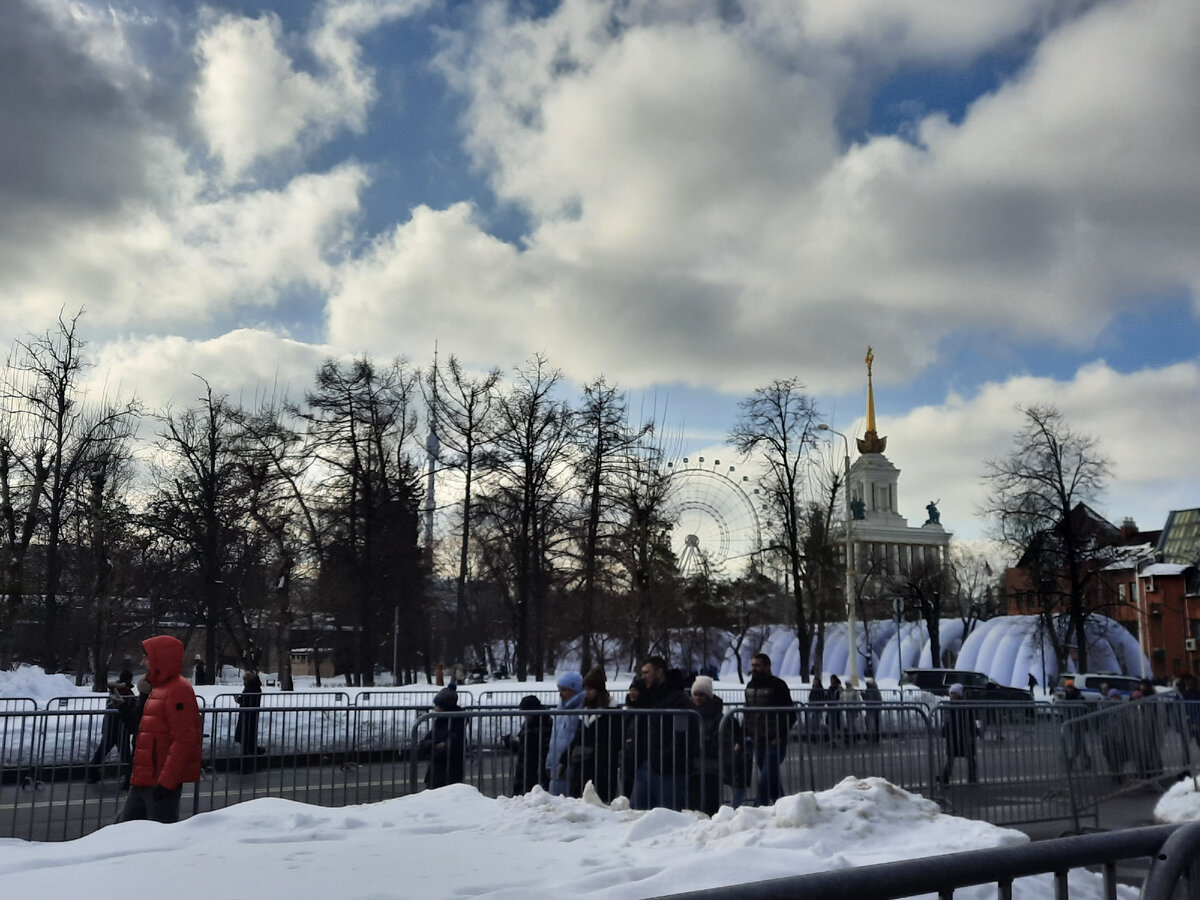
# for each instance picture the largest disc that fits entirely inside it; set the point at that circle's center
(245, 732)
(119, 726)
(596, 749)
(530, 747)
(445, 745)
(768, 732)
(705, 786)
(661, 779)
(958, 728)
(633, 750)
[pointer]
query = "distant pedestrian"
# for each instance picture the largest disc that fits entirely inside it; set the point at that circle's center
(1033, 682)
(768, 732)
(530, 747)
(570, 697)
(119, 726)
(1188, 692)
(705, 786)
(445, 745)
(168, 750)
(245, 732)
(874, 700)
(596, 748)
(959, 731)
(1074, 742)
(661, 779)
(199, 672)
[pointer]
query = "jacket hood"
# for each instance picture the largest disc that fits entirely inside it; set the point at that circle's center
(164, 658)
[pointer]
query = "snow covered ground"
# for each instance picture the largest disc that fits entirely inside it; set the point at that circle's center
(453, 842)
(456, 842)
(1181, 803)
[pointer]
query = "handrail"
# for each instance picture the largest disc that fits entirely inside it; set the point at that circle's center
(944, 874)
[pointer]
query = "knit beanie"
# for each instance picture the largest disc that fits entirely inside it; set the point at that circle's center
(529, 701)
(703, 685)
(956, 689)
(596, 679)
(447, 698)
(572, 681)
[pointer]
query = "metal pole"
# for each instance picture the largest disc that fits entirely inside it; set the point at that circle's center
(851, 615)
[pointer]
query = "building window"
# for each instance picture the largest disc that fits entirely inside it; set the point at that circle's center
(1121, 592)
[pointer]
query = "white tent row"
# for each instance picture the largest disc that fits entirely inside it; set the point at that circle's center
(1008, 649)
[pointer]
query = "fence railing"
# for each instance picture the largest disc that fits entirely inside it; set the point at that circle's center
(1025, 769)
(1174, 851)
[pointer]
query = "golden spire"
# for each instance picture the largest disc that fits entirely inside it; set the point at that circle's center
(872, 442)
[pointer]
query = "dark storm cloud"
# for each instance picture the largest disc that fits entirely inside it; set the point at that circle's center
(72, 128)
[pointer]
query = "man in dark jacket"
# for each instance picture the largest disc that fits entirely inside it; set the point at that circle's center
(958, 728)
(245, 732)
(661, 779)
(767, 732)
(170, 737)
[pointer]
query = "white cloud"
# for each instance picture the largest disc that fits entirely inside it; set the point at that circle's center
(251, 101)
(691, 168)
(249, 365)
(1139, 421)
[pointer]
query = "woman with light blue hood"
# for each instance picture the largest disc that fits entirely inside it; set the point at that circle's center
(570, 693)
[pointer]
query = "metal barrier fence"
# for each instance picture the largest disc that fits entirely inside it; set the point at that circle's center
(385, 697)
(1121, 746)
(17, 704)
(1174, 851)
(334, 755)
(285, 699)
(513, 698)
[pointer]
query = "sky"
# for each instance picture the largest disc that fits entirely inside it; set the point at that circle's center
(455, 842)
(692, 199)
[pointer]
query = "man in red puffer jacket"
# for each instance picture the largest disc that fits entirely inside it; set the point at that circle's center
(167, 751)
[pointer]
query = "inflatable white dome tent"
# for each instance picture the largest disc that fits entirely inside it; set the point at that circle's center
(1008, 649)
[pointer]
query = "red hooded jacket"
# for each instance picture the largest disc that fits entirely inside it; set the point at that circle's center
(170, 738)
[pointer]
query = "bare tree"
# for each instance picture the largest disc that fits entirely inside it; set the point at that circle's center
(925, 589)
(532, 446)
(277, 467)
(463, 412)
(607, 446)
(776, 425)
(642, 489)
(1036, 496)
(63, 432)
(361, 428)
(198, 502)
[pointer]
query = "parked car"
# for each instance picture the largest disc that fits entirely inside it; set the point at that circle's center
(1089, 684)
(976, 685)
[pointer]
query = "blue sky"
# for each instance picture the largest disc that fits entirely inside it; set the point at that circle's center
(690, 198)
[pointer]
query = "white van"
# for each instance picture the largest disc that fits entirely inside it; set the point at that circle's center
(1089, 684)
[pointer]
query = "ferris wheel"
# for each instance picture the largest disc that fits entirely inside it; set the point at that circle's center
(715, 523)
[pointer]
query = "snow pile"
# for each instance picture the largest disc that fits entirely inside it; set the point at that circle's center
(32, 681)
(1180, 804)
(456, 842)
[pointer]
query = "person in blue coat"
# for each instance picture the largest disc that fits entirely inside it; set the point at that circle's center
(570, 696)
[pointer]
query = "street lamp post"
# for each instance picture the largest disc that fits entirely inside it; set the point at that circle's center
(851, 617)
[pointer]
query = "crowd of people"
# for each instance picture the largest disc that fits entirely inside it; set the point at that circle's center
(661, 747)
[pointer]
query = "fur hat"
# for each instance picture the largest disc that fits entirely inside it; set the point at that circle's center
(447, 698)
(596, 679)
(572, 681)
(956, 689)
(702, 685)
